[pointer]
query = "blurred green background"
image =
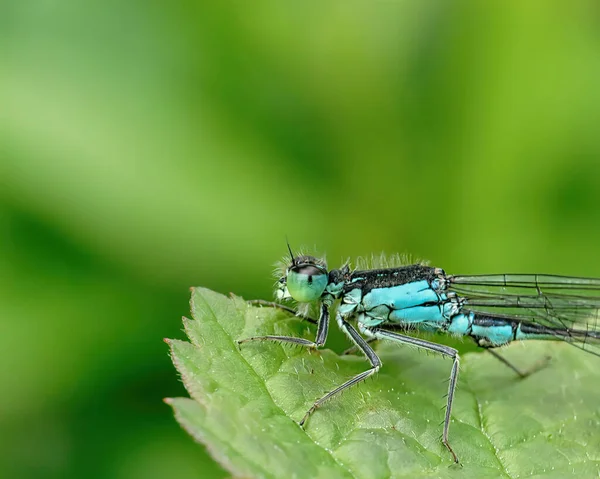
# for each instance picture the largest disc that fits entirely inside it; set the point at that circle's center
(146, 147)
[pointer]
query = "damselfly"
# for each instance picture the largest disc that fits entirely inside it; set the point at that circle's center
(492, 309)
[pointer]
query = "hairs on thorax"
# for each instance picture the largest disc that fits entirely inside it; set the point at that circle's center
(374, 261)
(382, 261)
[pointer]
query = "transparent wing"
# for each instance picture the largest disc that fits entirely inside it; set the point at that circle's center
(568, 307)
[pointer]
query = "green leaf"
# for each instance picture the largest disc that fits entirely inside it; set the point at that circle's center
(245, 404)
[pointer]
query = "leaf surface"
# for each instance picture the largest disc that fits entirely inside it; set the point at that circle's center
(245, 403)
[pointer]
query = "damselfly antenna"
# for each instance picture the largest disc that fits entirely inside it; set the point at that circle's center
(291, 254)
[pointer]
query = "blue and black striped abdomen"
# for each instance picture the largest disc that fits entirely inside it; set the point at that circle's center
(493, 330)
(508, 307)
(487, 331)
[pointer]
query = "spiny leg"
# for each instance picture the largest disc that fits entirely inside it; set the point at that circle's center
(522, 374)
(429, 346)
(354, 349)
(322, 329)
(283, 307)
(358, 340)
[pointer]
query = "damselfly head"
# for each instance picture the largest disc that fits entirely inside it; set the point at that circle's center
(305, 279)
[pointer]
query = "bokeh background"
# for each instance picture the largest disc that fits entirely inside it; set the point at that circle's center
(146, 147)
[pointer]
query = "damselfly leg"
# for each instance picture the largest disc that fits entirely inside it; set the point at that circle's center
(429, 346)
(282, 307)
(354, 349)
(322, 330)
(361, 344)
(522, 374)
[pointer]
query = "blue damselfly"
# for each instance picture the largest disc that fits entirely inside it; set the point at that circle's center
(492, 309)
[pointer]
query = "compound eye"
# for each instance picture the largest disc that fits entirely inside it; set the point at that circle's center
(306, 283)
(308, 269)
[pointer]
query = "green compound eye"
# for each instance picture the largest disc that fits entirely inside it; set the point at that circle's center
(306, 283)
